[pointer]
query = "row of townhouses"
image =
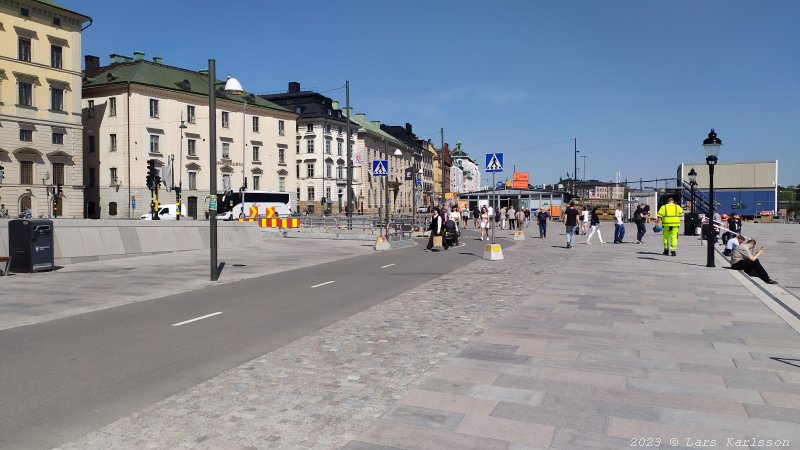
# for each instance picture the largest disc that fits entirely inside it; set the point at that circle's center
(75, 143)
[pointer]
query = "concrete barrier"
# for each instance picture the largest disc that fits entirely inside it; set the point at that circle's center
(79, 240)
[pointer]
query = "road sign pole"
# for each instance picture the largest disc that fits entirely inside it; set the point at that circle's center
(494, 203)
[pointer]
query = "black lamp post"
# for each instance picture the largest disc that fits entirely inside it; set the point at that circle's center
(711, 146)
(692, 184)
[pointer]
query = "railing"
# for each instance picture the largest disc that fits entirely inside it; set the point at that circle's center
(701, 199)
(397, 228)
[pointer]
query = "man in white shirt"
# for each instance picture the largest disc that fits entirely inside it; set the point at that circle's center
(732, 243)
(584, 219)
(619, 225)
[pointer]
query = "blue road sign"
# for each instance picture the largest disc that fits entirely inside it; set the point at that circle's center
(494, 162)
(380, 168)
(419, 182)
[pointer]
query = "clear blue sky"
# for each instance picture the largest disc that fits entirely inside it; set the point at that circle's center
(638, 83)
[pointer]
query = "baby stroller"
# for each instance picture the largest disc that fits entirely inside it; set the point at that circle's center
(451, 233)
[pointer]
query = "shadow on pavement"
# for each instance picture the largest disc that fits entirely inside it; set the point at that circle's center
(673, 262)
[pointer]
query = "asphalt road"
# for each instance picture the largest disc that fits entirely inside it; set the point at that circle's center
(64, 378)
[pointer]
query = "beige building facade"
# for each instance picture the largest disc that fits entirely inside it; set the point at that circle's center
(40, 108)
(134, 110)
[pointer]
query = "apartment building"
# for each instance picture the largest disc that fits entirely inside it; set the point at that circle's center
(40, 108)
(136, 110)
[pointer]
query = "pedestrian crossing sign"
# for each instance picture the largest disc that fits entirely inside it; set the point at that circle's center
(494, 162)
(380, 168)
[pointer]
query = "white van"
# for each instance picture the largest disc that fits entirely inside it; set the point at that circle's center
(165, 212)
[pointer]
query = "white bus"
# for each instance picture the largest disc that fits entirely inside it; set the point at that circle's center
(231, 206)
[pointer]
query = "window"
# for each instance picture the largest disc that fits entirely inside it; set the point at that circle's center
(281, 128)
(226, 119)
(298, 147)
(255, 153)
(58, 138)
(153, 108)
(25, 94)
(281, 156)
(328, 170)
(24, 12)
(112, 172)
(310, 127)
(190, 114)
(328, 126)
(112, 142)
(340, 130)
(191, 145)
(57, 21)
(328, 194)
(226, 182)
(154, 143)
(298, 171)
(90, 109)
(56, 99)
(112, 208)
(311, 193)
(24, 49)
(90, 144)
(192, 181)
(298, 193)
(310, 170)
(58, 174)
(328, 146)
(112, 106)
(339, 172)
(255, 124)
(226, 150)
(282, 184)
(339, 148)
(309, 146)
(256, 182)
(26, 172)
(26, 135)
(56, 53)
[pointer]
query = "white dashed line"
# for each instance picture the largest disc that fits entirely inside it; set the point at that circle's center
(388, 265)
(322, 284)
(196, 319)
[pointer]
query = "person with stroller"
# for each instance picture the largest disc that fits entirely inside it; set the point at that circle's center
(437, 229)
(451, 232)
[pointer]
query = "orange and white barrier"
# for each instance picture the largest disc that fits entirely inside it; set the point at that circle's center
(278, 223)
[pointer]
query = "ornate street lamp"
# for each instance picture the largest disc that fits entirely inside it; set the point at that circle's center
(711, 145)
(692, 184)
(233, 87)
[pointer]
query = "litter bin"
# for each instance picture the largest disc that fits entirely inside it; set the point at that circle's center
(30, 245)
(690, 223)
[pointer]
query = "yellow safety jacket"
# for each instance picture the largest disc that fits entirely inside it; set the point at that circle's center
(670, 214)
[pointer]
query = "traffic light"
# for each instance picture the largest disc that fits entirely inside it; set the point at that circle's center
(322, 200)
(59, 191)
(156, 180)
(151, 174)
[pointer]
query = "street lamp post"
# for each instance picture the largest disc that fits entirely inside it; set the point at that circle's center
(178, 189)
(711, 145)
(212, 156)
(692, 184)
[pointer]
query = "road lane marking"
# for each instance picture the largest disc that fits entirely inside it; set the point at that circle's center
(322, 284)
(388, 265)
(196, 319)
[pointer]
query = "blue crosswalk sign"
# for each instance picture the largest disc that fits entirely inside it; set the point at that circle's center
(494, 162)
(380, 168)
(419, 182)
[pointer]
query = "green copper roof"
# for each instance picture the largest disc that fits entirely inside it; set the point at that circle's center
(166, 77)
(374, 129)
(56, 5)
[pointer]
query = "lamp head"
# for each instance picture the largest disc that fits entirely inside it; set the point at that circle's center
(711, 145)
(692, 176)
(398, 152)
(232, 86)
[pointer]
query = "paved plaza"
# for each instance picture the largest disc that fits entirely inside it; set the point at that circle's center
(602, 346)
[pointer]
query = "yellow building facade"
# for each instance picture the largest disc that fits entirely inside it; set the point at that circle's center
(40, 108)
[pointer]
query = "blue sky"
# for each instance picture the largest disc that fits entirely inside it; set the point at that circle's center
(637, 83)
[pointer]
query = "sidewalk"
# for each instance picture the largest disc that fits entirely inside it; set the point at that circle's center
(591, 347)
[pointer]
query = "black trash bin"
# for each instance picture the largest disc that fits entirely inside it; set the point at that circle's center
(690, 223)
(30, 245)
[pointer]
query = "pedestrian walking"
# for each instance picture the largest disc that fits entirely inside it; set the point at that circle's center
(527, 217)
(484, 223)
(639, 217)
(520, 219)
(465, 216)
(503, 217)
(437, 230)
(670, 216)
(512, 218)
(476, 216)
(594, 220)
(584, 220)
(542, 217)
(619, 224)
(571, 220)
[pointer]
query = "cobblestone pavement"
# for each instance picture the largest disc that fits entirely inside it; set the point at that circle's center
(602, 346)
(90, 286)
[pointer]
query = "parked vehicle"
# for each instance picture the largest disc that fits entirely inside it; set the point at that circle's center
(165, 212)
(231, 206)
(423, 209)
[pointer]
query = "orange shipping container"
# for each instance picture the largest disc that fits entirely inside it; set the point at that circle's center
(555, 211)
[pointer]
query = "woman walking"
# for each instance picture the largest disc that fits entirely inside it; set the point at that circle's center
(484, 223)
(595, 224)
